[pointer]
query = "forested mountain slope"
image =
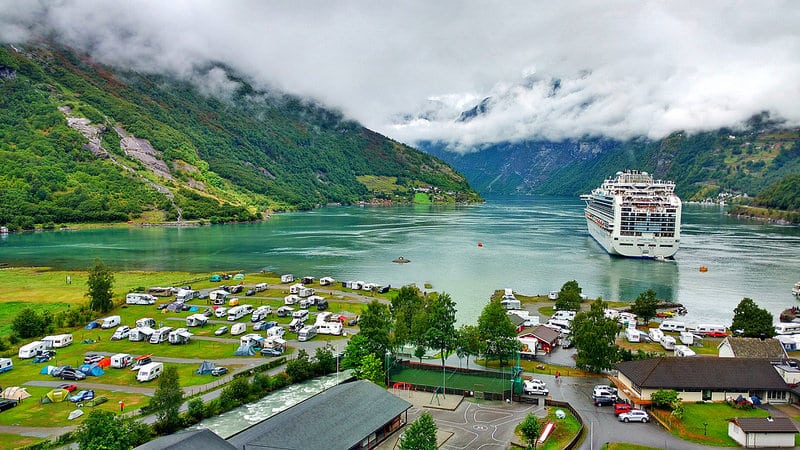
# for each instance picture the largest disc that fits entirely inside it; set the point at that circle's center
(80, 142)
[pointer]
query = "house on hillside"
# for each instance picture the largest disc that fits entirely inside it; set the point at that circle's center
(702, 379)
(743, 347)
(759, 432)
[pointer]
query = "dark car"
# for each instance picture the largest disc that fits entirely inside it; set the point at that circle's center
(270, 352)
(604, 400)
(185, 307)
(219, 371)
(72, 374)
(92, 326)
(270, 324)
(208, 312)
(322, 305)
(162, 306)
(250, 292)
(7, 403)
(236, 289)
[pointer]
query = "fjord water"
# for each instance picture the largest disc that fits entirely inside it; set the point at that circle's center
(530, 244)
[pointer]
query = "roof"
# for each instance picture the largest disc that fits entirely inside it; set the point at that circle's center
(188, 440)
(766, 424)
(545, 334)
(734, 374)
(342, 416)
(744, 347)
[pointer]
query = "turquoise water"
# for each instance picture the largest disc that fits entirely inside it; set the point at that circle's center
(530, 244)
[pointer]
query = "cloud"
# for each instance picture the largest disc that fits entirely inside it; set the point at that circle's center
(551, 70)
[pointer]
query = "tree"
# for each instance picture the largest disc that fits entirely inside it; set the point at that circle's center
(593, 335)
(664, 398)
(102, 429)
(497, 332)
(355, 352)
(300, 368)
(166, 401)
(441, 334)
(375, 324)
(752, 320)
(420, 435)
(469, 342)
(645, 306)
(101, 284)
(569, 297)
(28, 323)
(408, 310)
(531, 429)
(371, 369)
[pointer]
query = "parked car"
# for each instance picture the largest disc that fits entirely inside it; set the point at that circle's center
(258, 326)
(250, 292)
(81, 396)
(162, 306)
(91, 359)
(634, 415)
(7, 403)
(604, 400)
(236, 289)
(270, 324)
(270, 352)
(221, 330)
(537, 382)
(68, 386)
(72, 375)
(221, 312)
(208, 312)
(620, 408)
(185, 307)
(219, 371)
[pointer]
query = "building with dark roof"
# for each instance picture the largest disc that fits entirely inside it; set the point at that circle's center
(744, 347)
(352, 415)
(702, 379)
(755, 432)
(188, 440)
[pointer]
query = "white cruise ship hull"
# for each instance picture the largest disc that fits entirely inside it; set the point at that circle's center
(633, 247)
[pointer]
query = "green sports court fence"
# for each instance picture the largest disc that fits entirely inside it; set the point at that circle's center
(487, 384)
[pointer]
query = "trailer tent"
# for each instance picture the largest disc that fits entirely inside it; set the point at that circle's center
(205, 368)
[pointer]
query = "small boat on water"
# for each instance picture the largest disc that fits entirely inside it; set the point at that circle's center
(796, 289)
(401, 260)
(703, 269)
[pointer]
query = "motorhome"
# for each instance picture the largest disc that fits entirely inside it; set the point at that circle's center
(160, 335)
(655, 334)
(110, 322)
(218, 297)
(248, 309)
(261, 313)
(306, 303)
(562, 326)
(284, 311)
(300, 314)
(122, 332)
(31, 349)
(236, 313)
(179, 336)
(305, 292)
(707, 329)
(146, 322)
(140, 334)
(627, 319)
(6, 364)
(121, 360)
(564, 315)
(672, 325)
(252, 339)
(185, 295)
(278, 331)
(239, 328)
(287, 278)
(57, 341)
(260, 287)
(334, 328)
(141, 361)
(295, 288)
(196, 320)
(687, 338)
(633, 335)
(668, 342)
(553, 295)
(295, 325)
(684, 351)
(307, 333)
(150, 372)
(326, 281)
(135, 298)
(787, 328)
(510, 303)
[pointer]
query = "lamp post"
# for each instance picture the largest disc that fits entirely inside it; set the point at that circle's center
(705, 427)
(388, 353)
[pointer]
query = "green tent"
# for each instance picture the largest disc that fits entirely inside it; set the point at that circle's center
(238, 276)
(55, 396)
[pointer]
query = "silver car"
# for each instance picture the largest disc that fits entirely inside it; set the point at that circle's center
(634, 415)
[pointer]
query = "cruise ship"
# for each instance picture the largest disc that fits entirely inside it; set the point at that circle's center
(635, 216)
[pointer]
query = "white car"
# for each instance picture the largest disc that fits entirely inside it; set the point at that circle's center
(537, 382)
(634, 415)
(221, 312)
(121, 333)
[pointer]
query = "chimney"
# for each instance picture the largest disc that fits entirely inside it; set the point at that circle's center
(762, 336)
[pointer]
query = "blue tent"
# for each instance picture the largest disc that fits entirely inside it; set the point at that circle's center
(47, 370)
(205, 368)
(93, 370)
(92, 325)
(194, 309)
(244, 350)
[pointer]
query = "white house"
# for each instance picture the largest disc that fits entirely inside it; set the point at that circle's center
(759, 432)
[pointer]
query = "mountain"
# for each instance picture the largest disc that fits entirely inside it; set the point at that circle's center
(703, 165)
(82, 142)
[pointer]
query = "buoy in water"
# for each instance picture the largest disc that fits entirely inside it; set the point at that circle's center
(480, 244)
(703, 269)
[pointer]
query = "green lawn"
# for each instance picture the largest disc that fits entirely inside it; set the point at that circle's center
(454, 380)
(422, 198)
(716, 415)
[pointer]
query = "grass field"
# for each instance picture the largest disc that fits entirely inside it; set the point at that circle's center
(716, 415)
(453, 380)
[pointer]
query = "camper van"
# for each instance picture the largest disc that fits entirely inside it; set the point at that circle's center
(196, 320)
(307, 333)
(708, 329)
(146, 322)
(672, 325)
(57, 341)
(30, 350)
(288, 278)
(140, 299)
(787, 328)
(109, 322)
(684, 351)
(140, 334)
(687, 338)
(334, 328)
(160, 335)
(149, 372)
(564, 315)
(510, 303)
(562, 326)
(261, 313)
(121, 360)
(326, 281)
(260, 287)
(179, 336)
(633, 335)
(668, 342)
(238, 328)
(301, 314)
(6, 364)
(218, 297)
(236, 313)
(186, 295)
(553, 295)
(276, 332)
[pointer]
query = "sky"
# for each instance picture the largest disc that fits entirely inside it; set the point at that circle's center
(550, 70)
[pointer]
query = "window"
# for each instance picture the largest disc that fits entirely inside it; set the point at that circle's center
(706, 394)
